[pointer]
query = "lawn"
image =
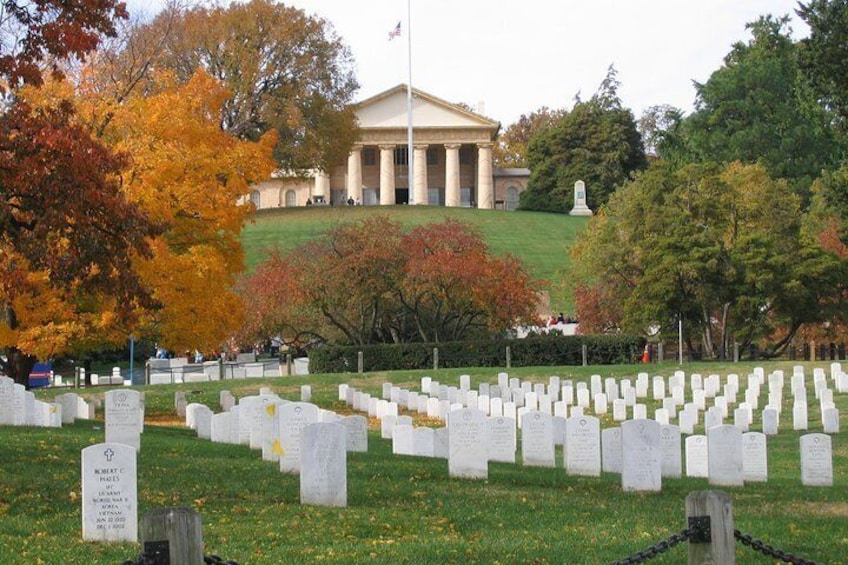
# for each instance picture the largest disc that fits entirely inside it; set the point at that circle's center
(540, 239)
(401, 509)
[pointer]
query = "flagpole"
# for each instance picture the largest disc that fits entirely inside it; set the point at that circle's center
(409, 151)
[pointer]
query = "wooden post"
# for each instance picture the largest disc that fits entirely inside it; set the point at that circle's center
(360, 362)
(435, 358)
(289, 364)
(585, 349)
(172, 536)
(715, 505)
(735, 351)
(508, 357)
(660, 352)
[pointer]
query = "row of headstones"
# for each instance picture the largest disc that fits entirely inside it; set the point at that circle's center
(642, 451)
(541, 432)
(20, 407)
(276, 426)
(510, 395)
(316, 450)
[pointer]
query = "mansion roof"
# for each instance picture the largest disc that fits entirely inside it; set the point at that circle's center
(388, 111)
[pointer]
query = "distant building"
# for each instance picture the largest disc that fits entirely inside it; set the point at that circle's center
(452, 161)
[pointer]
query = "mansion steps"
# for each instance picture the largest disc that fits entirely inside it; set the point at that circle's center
(452, 161)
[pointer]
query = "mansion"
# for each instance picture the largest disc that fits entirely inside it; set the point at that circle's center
(452, 161)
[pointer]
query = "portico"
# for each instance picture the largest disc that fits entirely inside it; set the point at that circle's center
(451, 160)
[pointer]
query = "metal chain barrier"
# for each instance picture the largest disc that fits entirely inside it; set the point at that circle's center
(144, 559)
(656, 549)
(768, 550)
(215, 560)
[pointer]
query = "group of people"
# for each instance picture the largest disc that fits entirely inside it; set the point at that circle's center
(561, 319)
(320, 200)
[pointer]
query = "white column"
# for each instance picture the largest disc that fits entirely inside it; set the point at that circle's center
(452, 193)
(419, 174)
(354, 173)
(387, 175)
(322, 185)
(485, 182)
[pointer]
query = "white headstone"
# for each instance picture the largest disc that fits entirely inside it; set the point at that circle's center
(583, 446)
(69, 402)
(830, 420)
(323, 464)
(697, 457)
(357, 433)
(423, 442)
(109, 493)
(611, 450)
(7, 401)
(537, 439)
(220, 428)
(754, 457)
(770, 421)
(203, 422)
(293, 418)
(387, 424)
(467, 450)
(641, 459)
(725, 456)
(799, 416)
(502, 439)
(122, 420)
(671, 452)
(440, 443)
(816, 460)
(403, 442)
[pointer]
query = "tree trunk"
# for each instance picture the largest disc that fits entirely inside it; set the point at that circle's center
(87, 365)
(19, 365)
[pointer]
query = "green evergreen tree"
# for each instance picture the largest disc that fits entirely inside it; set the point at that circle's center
(596, 142)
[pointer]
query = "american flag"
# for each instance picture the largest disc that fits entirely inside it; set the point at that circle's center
(395, 32)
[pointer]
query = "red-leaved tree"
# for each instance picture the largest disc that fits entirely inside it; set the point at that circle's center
(368, 282)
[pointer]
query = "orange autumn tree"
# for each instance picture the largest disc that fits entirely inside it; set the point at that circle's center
(192, 179)
(65, 267)
(68, 238)
(369, 282)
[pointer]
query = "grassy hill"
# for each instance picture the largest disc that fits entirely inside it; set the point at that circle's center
(540, 239)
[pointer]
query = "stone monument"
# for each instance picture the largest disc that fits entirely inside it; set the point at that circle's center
(580, 207)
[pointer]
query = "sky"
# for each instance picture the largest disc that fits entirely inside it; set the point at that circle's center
(516, 56)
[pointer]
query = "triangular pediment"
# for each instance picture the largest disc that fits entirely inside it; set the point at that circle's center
(388, 110)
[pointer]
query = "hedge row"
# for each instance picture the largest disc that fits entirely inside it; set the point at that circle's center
(549, 350)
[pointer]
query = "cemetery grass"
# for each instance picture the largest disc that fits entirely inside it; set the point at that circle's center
(400, 509)
(539, 239)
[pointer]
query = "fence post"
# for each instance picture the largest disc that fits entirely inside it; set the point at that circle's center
(435, 358)
(289, 364)
(172, 536)
(508, 357)
(660, 352)
(147, 373)
(585, 354)
(360, 362)
(720, 548)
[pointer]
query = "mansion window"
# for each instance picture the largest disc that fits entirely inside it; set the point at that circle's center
(369, 157)
(432, 156)
(401, 155)
(465, 155)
